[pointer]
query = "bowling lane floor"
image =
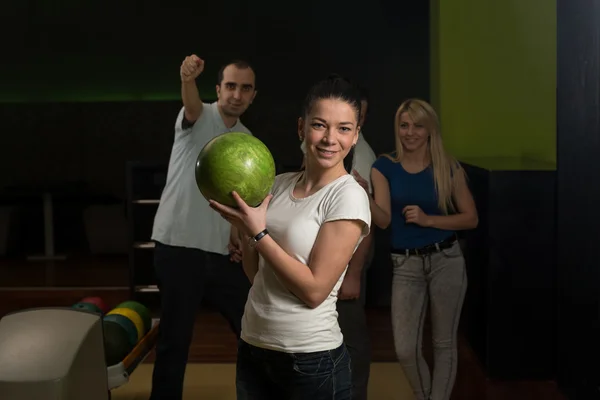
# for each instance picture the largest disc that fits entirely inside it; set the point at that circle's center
(217, 382)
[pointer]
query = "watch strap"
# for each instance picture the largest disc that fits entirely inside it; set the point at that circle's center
(260, 235)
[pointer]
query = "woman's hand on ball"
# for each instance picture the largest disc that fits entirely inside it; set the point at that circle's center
(250, 220)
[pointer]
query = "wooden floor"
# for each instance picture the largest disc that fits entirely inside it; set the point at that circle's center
(37, 285)
(217, 382)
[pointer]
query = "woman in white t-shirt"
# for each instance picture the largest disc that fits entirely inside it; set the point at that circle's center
(299, 243)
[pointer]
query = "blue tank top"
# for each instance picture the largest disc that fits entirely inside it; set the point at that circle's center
(411, 189)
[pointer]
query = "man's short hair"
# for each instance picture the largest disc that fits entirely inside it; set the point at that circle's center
(241, 64)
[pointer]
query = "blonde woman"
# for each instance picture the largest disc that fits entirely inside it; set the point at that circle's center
(421, 191)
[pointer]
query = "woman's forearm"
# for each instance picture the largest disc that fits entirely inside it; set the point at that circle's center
(296, 276)
(461, 221)
(378, 216)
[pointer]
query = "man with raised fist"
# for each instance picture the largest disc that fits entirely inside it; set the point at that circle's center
(195, 253)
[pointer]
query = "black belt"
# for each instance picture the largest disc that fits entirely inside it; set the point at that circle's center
(429, 249)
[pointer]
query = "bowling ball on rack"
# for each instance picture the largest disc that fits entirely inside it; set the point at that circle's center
(126, 324)
(117, 344)
(134, 317)
(142, 311)
(97, 301)
(87, 307)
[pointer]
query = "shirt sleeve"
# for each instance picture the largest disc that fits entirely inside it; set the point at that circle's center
(382, 165)
(350, 202)
(184, 127)
(368, 158)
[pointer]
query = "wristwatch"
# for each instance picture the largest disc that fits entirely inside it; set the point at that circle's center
(253, 240)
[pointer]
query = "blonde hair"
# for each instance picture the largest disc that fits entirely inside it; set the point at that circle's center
(445, 167)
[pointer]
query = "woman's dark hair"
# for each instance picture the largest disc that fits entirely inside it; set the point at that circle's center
(333, 87)
(364, 93)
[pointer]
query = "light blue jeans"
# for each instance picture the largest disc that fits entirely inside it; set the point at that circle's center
(437, 280)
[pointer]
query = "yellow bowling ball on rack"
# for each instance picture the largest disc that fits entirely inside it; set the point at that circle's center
(133, 317)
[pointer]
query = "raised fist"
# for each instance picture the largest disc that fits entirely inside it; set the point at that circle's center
(191, 67)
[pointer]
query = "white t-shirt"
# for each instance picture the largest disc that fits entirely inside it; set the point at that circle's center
(363, 160)
(184, 218)
(274, 318)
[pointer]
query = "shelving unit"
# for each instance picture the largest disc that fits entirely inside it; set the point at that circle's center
(145, 182)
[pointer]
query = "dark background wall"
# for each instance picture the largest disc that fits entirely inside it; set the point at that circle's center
(578, 216)
(67, 64)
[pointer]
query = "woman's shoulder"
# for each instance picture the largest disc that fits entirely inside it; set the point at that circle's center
(348, 187)
(386, 162)
(387, 158)
(347, 200)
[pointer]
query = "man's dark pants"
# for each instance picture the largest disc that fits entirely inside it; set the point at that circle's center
(185, 277)
(353, 323)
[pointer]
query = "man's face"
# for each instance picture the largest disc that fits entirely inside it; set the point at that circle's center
(236, 91)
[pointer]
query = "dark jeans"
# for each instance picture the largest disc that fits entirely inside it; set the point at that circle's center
(272, 375)
(185, 277)
(353, 323)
